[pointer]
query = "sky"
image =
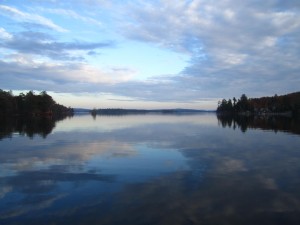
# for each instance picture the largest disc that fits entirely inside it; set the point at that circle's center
(150, 54)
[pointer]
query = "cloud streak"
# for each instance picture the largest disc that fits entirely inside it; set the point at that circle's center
(71, 14)
(20, 16)
(44, 45)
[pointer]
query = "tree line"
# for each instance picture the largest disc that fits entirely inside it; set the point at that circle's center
(289, 103)
(30, 103)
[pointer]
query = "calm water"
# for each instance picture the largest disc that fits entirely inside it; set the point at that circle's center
(150, 169)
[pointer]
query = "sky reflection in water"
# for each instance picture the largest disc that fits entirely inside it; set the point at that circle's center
(150, 169)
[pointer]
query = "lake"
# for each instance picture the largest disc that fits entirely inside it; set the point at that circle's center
(150, 169)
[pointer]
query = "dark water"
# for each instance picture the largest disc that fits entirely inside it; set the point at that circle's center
(150, 169)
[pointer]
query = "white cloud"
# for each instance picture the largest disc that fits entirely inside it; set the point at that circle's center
(228, 58)
(286, 21)
(86, 73)
(268, 41)
(5, 35)
(71, 14)
(18, 15)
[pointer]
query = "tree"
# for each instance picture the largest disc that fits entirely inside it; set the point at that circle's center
(234, 101)
(243, 103)
(7, 102)
(225, 106)
(45, 102)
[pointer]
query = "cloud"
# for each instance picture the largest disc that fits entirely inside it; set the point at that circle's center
(23, 71)
(71, 14)
(233, 46)
(19, 210)
(26, 72)
(4, 35)
(20, 16)
(229, 165)
(43, 44)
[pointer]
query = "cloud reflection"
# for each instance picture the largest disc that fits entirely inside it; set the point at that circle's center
(166, 170)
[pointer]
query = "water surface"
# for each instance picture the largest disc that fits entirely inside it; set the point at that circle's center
(150, 169)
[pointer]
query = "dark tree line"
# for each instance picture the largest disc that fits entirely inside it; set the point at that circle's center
(30, 103)
(289, 103)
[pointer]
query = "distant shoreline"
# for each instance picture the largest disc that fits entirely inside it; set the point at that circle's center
(143, 111)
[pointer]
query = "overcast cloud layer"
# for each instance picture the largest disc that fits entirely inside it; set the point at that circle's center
(233, 47)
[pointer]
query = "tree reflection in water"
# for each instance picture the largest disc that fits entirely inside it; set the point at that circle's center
(275, 123)
(28, 126)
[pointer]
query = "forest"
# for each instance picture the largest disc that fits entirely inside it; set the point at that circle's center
(30, 104)
(284, 104)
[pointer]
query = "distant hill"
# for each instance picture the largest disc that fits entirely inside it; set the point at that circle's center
(144, 111)
(81, 110)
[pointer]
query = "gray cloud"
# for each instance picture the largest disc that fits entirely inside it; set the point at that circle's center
(43, 44)
(234, 47)
(55, 78)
